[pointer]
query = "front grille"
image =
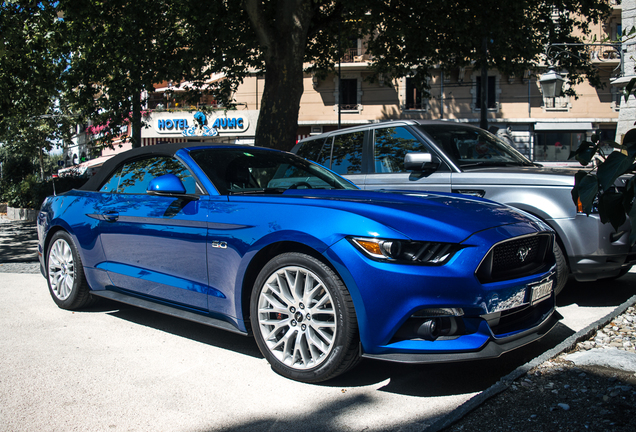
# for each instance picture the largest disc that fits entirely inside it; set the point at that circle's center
(507, 255)
(518, 257)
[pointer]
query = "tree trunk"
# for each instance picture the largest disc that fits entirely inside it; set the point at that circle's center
(283, 43)
(136, 121)
(41, 160)
(277, 125)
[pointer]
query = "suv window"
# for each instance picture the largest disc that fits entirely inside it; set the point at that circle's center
(473, 147)
(347, 153)
(390, 147)
(134, 177)
(318, 150)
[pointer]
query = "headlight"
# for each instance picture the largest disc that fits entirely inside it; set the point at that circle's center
(405, 252)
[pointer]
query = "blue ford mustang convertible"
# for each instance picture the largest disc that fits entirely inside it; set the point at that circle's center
(265, 243)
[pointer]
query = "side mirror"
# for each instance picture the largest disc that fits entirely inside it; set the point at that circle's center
(166, 185)
(421, 162)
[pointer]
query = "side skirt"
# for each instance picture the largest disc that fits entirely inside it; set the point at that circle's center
(168, 310)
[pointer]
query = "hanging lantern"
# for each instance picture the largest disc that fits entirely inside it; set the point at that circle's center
(551, 83)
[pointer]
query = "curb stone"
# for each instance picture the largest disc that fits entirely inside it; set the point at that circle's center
(505, 382)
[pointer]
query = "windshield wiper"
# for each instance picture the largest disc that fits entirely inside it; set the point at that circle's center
(257, 191)
(494, 164)
(472, 164)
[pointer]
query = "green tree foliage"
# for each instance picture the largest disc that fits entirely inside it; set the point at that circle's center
(273, 38)
(32, 118)
(411, 38)
(118, 50)
(109, 52)
(20, 186)
(30, 63)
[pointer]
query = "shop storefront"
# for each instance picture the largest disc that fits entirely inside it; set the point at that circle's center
(555, 141)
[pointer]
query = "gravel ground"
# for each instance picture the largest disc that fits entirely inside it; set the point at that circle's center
(561, 395)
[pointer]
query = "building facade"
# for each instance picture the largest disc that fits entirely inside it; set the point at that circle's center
(544, 129)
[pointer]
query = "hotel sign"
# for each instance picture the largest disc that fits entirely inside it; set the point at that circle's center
(199, 124)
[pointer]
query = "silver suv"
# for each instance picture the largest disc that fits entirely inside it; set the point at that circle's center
(452, 157)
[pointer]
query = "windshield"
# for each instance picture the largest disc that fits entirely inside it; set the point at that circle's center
(472, 147)
(241, 171)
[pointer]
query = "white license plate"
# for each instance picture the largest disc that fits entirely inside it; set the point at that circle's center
(541, 291)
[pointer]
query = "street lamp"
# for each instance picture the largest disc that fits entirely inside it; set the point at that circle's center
(551, 81)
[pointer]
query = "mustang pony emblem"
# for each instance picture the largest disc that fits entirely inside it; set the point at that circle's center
(522, 253)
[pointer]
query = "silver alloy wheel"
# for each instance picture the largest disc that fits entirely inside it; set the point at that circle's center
(297, 318)
(61, 269)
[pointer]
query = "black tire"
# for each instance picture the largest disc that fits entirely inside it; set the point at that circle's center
(303, 319)
(65, 275)
(562, 269)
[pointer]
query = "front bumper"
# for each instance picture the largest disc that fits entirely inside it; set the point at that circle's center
(493, 347)
(595, 250)
(391, 300)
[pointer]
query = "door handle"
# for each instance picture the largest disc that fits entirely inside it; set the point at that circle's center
(111, 216)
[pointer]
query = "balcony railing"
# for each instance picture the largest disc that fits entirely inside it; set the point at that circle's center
(353, 55)
(605, 54)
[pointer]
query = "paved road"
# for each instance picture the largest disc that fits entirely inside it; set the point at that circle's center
(118, 368)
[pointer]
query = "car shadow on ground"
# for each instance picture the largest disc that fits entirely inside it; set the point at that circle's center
(604, 292)
(18, 242)
(446, 379)
(178, 327)
(419, 380)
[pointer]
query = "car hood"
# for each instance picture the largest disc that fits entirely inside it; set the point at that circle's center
(518, 175)
(418, 214)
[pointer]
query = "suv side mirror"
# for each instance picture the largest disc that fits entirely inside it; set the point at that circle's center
(421, 162)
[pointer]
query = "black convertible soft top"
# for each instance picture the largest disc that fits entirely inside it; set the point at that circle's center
(94, 183)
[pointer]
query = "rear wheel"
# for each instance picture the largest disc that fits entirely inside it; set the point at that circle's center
(303, 319)
(65, 274)
(562, 269)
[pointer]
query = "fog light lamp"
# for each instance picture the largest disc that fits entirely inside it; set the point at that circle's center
(429, 329)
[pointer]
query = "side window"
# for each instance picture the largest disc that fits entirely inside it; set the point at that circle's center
(134, 177)
(347, 153)
(318, 150)
(390, 147)
(112, 183)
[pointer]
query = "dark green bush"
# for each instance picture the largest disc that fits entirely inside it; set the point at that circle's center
(30, 192)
